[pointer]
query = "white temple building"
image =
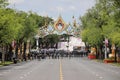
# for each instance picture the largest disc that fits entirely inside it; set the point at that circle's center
(74, 42)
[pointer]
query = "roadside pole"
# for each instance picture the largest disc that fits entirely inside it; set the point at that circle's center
(106, 44)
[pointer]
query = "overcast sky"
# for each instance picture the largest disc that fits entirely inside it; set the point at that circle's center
(52, 8)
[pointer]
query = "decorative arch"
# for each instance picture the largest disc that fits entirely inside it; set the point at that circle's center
(60, 27)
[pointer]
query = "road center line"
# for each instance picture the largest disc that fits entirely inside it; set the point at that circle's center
(61, 73)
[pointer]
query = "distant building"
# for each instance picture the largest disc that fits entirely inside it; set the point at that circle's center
(59, 27)
(73, 42)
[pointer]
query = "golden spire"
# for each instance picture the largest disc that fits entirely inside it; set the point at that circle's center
(74, 21)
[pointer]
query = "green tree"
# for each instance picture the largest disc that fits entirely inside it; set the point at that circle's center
(98, 17)
(3, 3)
(105, 16)
(51, 40)
(7, 27)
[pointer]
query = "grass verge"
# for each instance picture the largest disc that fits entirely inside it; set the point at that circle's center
(5, 63)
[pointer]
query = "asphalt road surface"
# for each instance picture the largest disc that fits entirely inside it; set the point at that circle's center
(60, 69)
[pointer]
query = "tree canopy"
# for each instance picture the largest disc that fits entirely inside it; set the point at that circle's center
(18, 25)
(102, 21)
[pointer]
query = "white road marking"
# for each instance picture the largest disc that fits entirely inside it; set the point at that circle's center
(117, 72)
(21, 77)
(25, 75)
(101, 77)
(28, 73)
(97, 75)
(4, 72)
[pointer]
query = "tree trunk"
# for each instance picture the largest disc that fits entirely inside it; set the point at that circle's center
(21, 51)
(10, 52)
(97, 51)
(16, 50)
(3, 54)
(116, 54)
(6, 51)
(24, 51)
(56, 45)
(101, 52)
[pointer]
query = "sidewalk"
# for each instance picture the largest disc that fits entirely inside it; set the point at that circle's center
(101, 61)
(113, 64)
(7, 63)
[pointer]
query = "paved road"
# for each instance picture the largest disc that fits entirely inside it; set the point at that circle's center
(60, 69)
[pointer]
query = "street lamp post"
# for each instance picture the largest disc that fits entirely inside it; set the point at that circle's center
(68, 45)
(37, 41)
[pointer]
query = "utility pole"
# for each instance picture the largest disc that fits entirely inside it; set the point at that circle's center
(106, 43)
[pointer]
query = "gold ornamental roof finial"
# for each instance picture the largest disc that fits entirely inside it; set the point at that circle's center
(74, 21)
(60, 24)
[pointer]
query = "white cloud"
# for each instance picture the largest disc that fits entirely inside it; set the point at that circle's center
(57, 9)
(44, 13)
(63, 9)
(15, 1)
(60, 9)
(73, 8)
(53, 8)
(54, 18)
